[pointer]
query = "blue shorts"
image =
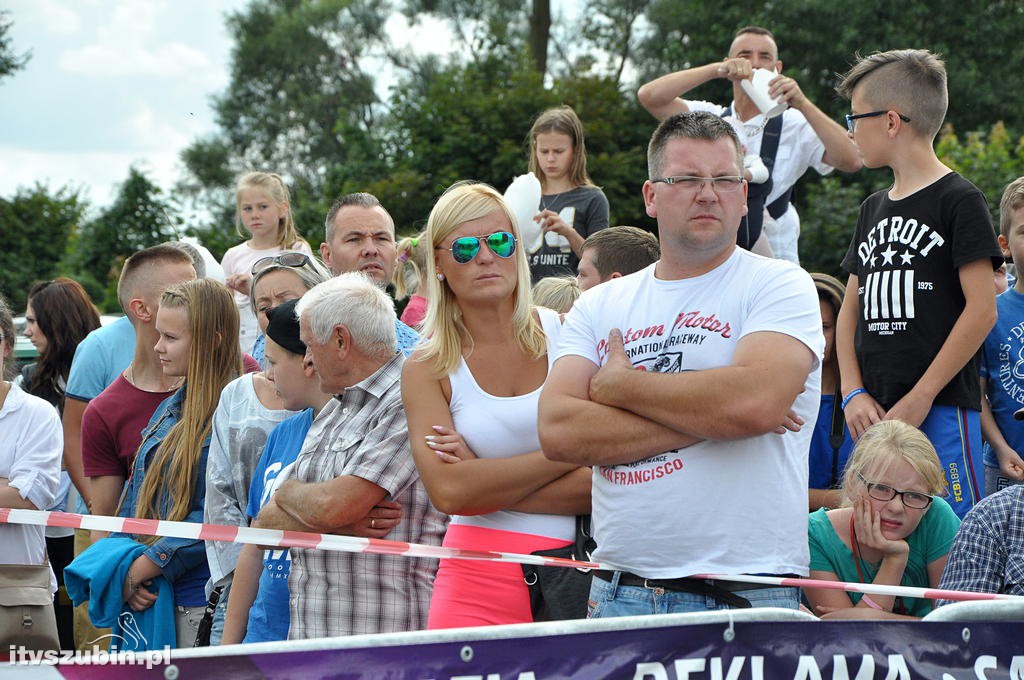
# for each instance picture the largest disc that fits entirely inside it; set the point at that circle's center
(956, 435)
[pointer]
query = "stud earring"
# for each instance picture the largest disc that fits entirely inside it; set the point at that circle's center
(440, 276)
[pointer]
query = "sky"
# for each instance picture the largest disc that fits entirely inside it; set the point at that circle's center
(108, 84)
(112, 83)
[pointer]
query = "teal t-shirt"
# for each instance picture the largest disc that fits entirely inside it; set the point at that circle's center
(930, 541)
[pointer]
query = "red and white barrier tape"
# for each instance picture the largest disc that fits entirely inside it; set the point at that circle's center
(300, 539)
(271, 537)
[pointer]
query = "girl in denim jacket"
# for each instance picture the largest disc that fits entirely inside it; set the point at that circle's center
(198, 324)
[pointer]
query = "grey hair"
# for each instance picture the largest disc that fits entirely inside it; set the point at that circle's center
(354, 301)
(312, 275)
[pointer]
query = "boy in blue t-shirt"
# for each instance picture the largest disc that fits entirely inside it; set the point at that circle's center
(268, 615)
(1002, 361)
(919, 301)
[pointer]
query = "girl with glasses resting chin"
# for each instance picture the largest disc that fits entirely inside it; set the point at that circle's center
(470, 394)
(893, 528)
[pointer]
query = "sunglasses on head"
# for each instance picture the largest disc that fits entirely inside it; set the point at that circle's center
(501, 243)
(290, 259)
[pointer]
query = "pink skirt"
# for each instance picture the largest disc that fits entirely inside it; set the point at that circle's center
(479, 592)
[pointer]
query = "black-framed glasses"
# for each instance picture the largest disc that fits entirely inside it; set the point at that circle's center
(884, 492)
(851, 118)
(720, 185)
(290, 259)
(501, 243)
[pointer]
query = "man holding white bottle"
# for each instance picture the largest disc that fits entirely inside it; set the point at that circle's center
(804, 137)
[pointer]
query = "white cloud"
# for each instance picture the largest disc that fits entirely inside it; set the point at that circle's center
(110, 60)
(152, 132)
(141, 73)
(52, 16)
(428, 35)
(20, 167)
(129, 44)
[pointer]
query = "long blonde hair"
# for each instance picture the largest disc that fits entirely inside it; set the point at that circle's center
(287, 235)
(443, 326)
(214, 359)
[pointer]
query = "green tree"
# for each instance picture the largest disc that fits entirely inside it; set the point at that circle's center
(828, 217)
(618, 131)
(463, 116)
(205, 195)
(990, 160)
(298, 103)
(138, 218)
(609, 27)
(470, 121)
(10, 61)
(35, 227)
(486, 26)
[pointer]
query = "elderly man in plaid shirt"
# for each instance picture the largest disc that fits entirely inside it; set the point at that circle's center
(354, 459)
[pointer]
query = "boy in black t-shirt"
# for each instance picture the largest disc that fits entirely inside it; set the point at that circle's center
(919, 299)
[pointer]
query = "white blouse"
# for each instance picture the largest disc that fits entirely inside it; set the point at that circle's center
(31, 450)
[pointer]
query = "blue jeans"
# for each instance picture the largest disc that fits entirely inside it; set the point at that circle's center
(608, 600)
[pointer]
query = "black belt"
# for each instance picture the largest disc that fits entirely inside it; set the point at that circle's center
(723, 591)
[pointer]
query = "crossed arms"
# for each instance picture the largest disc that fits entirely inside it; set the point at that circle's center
(614, 414)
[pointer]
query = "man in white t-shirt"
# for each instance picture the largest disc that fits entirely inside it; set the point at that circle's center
(702, 470)
(808, 137)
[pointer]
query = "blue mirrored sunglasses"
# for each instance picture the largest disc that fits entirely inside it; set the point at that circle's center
(501, 243)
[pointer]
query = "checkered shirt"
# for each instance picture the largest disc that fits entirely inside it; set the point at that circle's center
(987, 555)
(363, 432)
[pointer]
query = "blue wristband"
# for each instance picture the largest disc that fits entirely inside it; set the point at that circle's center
(851, 395)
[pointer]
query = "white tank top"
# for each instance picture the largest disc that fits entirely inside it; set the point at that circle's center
(501, 427)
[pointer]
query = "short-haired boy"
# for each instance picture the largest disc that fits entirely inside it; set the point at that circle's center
(919, 300)
(1002, 360)
(614, 252)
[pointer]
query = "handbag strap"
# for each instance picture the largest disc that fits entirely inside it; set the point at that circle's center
(836, 436)
(585, 544)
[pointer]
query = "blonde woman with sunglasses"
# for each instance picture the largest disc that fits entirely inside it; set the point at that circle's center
(470, 394)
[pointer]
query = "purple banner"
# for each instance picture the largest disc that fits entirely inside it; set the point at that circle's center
(641, 648)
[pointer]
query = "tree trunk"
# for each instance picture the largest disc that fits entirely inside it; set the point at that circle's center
(540, 29)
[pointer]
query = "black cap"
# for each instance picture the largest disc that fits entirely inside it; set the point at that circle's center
(284, 327)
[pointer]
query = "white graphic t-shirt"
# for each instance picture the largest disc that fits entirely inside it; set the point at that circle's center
(717, 506)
